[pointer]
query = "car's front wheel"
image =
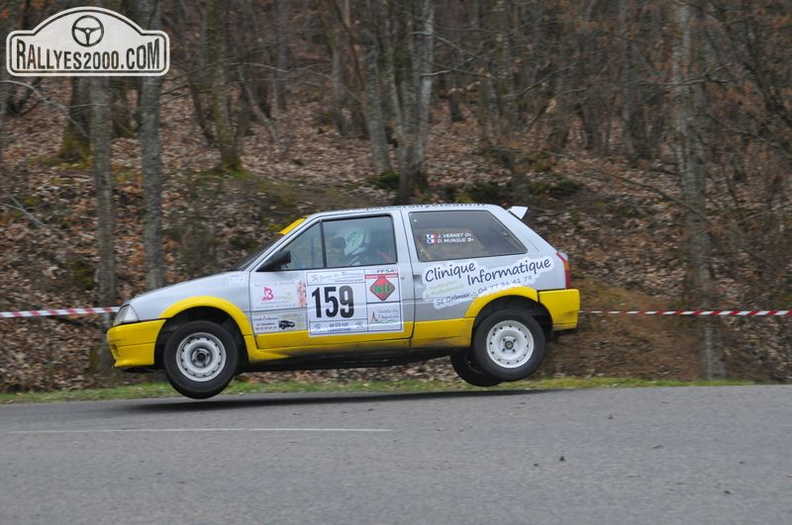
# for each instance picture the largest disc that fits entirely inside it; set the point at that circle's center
(200, 359)
(509, 345)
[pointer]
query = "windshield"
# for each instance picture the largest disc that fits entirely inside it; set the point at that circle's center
(249, 258)
(244, 263)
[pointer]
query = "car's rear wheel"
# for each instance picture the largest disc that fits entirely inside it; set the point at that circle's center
(200, 359)
(469, 370)
(509, 345)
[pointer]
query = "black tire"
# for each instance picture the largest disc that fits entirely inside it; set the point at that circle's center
(469, 371)
(200, 359)
(509, 345)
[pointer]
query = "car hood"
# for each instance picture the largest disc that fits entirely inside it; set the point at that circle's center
(228, 286)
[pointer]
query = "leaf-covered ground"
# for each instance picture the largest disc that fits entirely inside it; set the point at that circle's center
(625, 241)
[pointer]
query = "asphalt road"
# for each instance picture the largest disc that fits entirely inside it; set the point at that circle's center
(664, 455)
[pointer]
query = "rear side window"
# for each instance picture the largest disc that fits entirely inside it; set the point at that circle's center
(446, 235)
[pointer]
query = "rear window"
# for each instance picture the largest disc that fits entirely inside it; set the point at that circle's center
(447, 235)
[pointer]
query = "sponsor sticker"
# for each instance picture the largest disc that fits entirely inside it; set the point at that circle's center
(459, 281)
(265, 323)
(277, 295)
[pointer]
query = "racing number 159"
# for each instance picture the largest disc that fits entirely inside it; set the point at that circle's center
(335, 301)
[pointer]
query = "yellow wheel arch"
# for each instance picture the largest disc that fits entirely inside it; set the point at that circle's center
(207, 301)
(207, 308)
(520, 297)
(482, 302)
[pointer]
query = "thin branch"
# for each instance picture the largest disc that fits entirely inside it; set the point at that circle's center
(545, 79)
(17, 206)
(47, 101)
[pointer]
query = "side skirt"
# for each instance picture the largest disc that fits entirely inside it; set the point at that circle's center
(345, 360)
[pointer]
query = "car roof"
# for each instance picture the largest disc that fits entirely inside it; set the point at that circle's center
(411, 207)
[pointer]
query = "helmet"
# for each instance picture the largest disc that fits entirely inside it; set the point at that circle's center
(356, 240)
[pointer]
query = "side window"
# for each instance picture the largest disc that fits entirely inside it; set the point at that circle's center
(447, 235)
(306, 250)
(340, 243)
(359, 242)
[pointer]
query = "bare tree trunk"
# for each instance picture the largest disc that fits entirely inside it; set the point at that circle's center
(283, 54)
(454, 99)
(182, 24)
(408, 96)
(509, 116)
(76, 143)
(487, 106)
(339, 90)
(120, 112)
(633, 121)
(5, 28)
(151, 162)
(375, 117)
(425, 54)
(688, 150)
(628, 107)
(221, 104)
(407, 81)
(335, 16)
(3, 103)
(101, 133)
(252, 53)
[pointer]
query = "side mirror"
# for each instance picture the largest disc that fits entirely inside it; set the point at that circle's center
(276, 261)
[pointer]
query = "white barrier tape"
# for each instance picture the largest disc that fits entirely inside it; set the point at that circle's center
(59, 312)
(701, 313)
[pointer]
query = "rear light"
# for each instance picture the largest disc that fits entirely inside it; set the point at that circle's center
(567, 277)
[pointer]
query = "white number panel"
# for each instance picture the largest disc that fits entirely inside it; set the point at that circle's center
(353, 301)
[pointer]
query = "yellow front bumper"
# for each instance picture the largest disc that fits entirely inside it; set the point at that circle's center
(133, 344)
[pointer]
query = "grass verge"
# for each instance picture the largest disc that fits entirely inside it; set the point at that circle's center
(157, 390)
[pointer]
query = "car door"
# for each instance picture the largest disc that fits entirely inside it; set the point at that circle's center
(347, 285)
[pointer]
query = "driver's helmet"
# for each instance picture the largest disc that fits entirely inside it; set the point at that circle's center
(356, 241)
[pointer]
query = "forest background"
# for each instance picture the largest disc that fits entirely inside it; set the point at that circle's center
(651, 141)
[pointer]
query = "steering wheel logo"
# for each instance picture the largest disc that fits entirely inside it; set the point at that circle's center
(87, 31)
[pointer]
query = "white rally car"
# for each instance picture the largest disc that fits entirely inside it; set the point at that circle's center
(357, 288)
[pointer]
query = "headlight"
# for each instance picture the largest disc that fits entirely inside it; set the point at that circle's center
(126, 315)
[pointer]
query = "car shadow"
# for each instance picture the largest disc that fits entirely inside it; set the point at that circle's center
(234, 401)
